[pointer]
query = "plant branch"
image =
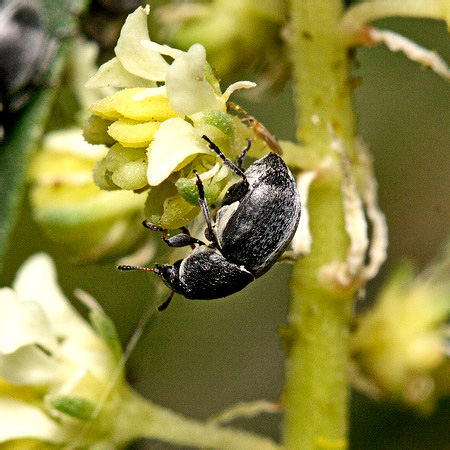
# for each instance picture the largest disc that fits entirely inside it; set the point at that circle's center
(316, 390)
(146, 419)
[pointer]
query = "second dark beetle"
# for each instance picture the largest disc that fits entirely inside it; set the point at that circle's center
(25, 50)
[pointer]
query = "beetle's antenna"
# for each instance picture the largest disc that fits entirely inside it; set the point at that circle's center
(156, 270)
(237, 170)
(127, 267)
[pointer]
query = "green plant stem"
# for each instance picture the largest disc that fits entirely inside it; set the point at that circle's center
(141, 418)
(316, 390)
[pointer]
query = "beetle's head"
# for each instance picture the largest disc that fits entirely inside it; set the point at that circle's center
(169, 274)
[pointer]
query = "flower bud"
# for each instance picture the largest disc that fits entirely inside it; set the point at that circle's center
(400, 344)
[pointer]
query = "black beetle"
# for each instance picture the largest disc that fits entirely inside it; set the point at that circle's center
(25, 50)
(254, 226)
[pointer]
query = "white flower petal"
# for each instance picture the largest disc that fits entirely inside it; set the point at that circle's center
(134, 57)
(112, 73)
(31, 366)
(23, 323)
(70, 140)
(176, 143)
(236, 86)
(162, 49)
(20, 420)
(36, 281)
(187, 88)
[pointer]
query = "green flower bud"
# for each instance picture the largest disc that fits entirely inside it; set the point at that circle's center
(400, 344)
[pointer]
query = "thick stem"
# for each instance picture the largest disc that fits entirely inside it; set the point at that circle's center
(141, 418)
(316, 390)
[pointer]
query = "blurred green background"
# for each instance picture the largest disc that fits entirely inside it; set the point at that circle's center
(201, 357)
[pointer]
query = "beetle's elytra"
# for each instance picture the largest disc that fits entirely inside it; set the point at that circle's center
(254, 226)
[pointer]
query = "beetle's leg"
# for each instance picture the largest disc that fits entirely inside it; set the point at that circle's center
(180, 240)
(197, 241)
(241, 156)
(237, 170)
(210, 235)
(166, 302)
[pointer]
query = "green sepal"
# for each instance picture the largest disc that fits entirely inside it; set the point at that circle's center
(219, 119)
(211, 78)
(107, 331)
(189, 191)
(77, 407)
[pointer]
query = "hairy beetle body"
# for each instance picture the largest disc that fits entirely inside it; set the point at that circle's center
(254, 226)
(255, 230)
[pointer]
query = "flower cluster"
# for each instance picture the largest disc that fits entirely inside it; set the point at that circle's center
(53, 366)
(154, 125)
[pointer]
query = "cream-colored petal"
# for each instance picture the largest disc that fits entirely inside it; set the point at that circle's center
(91, 354)
(175, 144)
(32, 366)
(162, 49)
(23, 323)
(36, 281)
(186, 84)
(19, 420)
(133, 56)
(237, 86)
(113, 74)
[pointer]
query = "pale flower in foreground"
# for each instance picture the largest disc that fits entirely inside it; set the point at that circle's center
(62, 380)
(72, 210)
(53, 366)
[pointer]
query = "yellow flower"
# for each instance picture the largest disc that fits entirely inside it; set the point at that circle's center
(154, 124)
